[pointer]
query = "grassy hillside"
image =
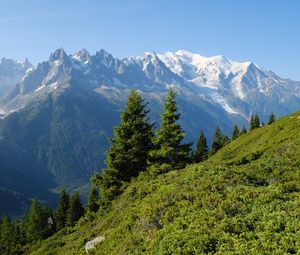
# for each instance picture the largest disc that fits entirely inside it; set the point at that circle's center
(243, 200)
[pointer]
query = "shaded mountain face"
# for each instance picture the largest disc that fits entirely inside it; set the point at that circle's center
(60, 114)
(11, 73)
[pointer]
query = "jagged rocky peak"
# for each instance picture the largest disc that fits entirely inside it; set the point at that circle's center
(146, 58)
(104, 58)
(83, 55)
(59, 54)
(7, 61)
(27, 64)
(151, 55)
(10, 63)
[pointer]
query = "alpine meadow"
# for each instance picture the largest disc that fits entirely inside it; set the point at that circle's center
(184, 141)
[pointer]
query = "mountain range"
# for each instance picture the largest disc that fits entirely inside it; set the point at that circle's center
(57, 117)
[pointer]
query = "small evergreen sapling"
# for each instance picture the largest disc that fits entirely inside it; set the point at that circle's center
(272, 118)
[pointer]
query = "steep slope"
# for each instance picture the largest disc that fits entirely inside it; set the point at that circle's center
(66, 134)
(240, 88)
(61, 113)
(244, 199)
(11, 73)
(58, 140)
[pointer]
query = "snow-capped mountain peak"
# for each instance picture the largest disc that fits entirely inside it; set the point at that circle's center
(58, 55)
(83, 55)
(238, 88)
(215, 72)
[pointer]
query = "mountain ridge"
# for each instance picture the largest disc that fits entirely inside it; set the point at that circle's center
(231, 85)
(62, 112)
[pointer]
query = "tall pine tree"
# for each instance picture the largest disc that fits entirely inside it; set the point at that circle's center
(201, 152)
(235, 133)
(61, 210)
(129, 150)
(254, 122)
(93, 200)
(218, 141)
(75, 211)
(9, 237)
(38, 224)
(169, 152)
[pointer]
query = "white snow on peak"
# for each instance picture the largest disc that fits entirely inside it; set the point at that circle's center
(82, 56)
(206, 71)
(143, 60)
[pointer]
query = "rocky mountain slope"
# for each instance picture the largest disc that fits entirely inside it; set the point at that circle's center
(60, 114)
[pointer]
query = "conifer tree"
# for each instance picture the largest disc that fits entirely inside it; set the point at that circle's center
(37, 222)
(61, 210)
(129, 150)
(9, 237)
(243, 130)
(235, 133)
(218, 141)
(75, 211)
(93, 200)
(201, 152)
(225, 140)
(272, 118)
(254, 122)
(169, 152)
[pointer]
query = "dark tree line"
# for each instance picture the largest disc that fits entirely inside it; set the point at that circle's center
(40, 222)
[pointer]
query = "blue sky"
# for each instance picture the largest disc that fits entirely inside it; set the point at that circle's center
(266, 32)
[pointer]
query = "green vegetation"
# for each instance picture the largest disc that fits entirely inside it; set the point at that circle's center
(201, 152)
(129, 149)
(272, 118)
(10, 238)
(235, 132)
(243, 199)
(219, 140)
(62, 209)
(75, 210)
(169, 152)
(56, 142)
(93, 202)
(243, 130)
(38, 222)
(254, 122)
